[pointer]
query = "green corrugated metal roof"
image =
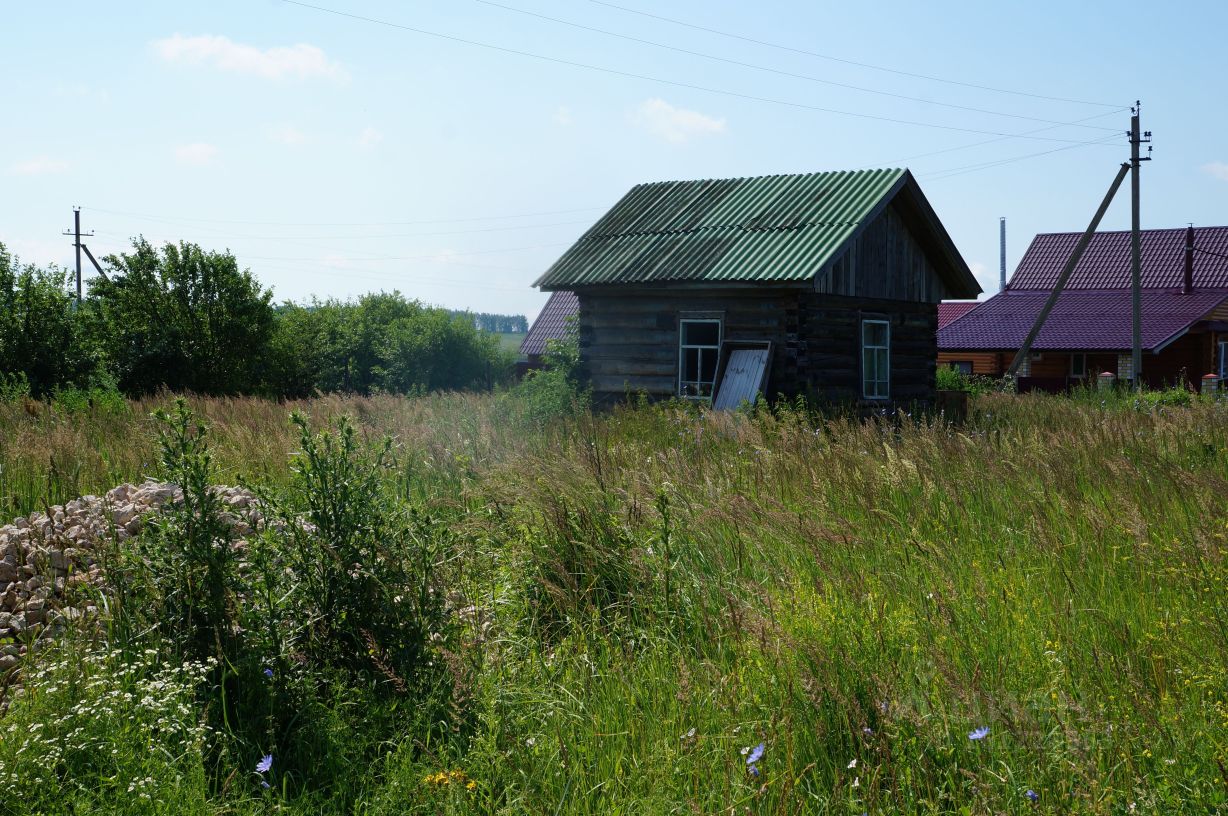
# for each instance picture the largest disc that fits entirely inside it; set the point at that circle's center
(770, 228)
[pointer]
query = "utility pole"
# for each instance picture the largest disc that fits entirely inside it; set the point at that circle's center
(1136, 273)
(76, 233)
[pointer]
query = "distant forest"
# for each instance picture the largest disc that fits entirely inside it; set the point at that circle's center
(498, 323)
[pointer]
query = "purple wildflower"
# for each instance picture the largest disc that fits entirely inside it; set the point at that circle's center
(265, 763)
(1032, 795)
(268, 673)
(756, 754)
(264, 784)
(979, 734)
(753, 770)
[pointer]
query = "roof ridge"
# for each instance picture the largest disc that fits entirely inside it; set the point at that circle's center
(772, 176)
(1141, 231)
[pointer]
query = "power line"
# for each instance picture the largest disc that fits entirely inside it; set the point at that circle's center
(871, 66)
(348, 223)
(420, 257)
(671, 82)
(1209, 252)
(807, 77)
(983, 142)
(957, 171)
(384, 235)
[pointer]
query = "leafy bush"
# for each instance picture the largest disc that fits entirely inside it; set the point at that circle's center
(380, 342)
(44, 339)
(365, 562)
(183, 318)
(554, 391)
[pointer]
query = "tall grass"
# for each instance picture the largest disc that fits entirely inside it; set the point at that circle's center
(644, 594)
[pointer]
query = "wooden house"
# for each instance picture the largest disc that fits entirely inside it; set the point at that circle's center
(824, 285)
(1184, 301)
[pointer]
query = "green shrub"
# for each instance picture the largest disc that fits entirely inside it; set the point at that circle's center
(365, 561)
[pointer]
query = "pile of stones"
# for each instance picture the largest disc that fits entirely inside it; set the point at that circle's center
(50, 570)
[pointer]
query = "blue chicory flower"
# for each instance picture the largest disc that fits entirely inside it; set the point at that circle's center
(265, 763)
(268, 673)
(756, 754)
(753, 770)
(980, 733)
(1032, 795)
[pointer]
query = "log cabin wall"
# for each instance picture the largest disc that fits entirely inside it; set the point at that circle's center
(629, 340)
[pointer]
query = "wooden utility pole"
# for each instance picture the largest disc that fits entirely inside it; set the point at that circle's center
(1136, 264)
(1071, 262)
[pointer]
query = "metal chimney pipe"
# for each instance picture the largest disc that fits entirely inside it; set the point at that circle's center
(1187, 285)
(1001, 254)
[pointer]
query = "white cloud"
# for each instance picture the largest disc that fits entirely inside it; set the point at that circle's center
(286, 134)
(675, 124)
(1217, 170)
(370, 137)
(301, 61)
(562, 116)
(196, 153)
(38, 166)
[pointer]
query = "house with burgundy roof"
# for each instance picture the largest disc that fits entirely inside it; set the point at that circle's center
(1184, 312)
(551, 324)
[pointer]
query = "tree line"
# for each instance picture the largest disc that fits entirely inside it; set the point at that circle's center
(498, 323)
(189, 319)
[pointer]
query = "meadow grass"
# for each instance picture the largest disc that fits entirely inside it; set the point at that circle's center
(649, 592)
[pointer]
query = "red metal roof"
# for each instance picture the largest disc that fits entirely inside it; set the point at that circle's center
(551, 323)
(1106, 263)
(1093, 319)
(951, 310)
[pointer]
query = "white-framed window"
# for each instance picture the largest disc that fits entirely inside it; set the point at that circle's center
(876, 359)
(1078, 365)
(699, 348)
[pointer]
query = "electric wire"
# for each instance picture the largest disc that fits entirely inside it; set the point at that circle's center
(779, 72)
(958, 171)
(871, 66)
(671, 82)
(351, 223)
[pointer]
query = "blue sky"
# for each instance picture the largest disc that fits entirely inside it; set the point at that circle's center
(336, 156)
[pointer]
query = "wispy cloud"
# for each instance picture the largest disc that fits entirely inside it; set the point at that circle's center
(38, 166)
(286, 134)
(370, 137)
(196, 153)
(1216, 169)
(562, 116)
(300, 61)
(674, 124)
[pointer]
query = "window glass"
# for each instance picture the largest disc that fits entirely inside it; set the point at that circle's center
(1078, 365)
(876, 359)
(699, 343)
(962, 366)
(701, 332)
